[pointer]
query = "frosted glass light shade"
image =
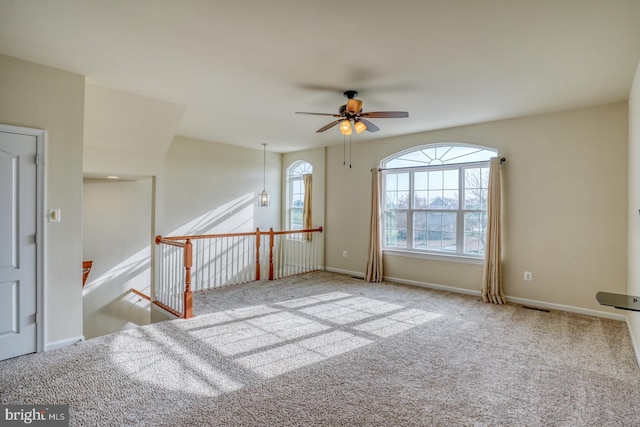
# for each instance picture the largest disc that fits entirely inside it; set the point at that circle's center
(345, 127)
(360, 127)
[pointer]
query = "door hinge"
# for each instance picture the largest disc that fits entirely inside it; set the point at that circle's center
(37, 318)
(37, 160)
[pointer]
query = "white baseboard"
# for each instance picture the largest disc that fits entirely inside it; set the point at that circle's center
(569, 308)
(515, 300)
(63, 343)
(634, 342)
(345, 272)
(434, 286)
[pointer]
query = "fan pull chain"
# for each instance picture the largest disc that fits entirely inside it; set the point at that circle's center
(344, 150)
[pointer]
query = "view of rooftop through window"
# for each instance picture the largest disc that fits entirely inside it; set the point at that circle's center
(435, 199)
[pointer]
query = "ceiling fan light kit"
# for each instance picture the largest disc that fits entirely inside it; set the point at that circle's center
(345, 127)
(352, 112)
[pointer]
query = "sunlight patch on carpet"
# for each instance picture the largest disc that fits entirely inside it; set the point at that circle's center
(240, 313)
(273, 343)
(350, 310)
(267, 340)
(397, 322)
(160, 360)
(247, 335)
(277, 361)
(301, 302)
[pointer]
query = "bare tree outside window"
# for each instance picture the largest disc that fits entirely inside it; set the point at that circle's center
(434, 199)
(476, 183)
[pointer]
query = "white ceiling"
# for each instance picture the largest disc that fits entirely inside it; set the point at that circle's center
(243, 67)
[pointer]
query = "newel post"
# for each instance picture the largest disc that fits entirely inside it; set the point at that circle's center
(257, 253)
(271, 239)
(188, 297)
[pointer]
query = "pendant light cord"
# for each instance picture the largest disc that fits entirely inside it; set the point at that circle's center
(264, 167)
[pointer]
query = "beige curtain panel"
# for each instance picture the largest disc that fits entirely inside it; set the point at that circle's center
(374, 263)
(492, 278)
(306, 214)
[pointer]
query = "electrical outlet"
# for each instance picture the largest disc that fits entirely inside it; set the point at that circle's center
(344, 254)
(528, 276)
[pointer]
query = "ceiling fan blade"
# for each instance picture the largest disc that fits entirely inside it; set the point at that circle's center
(370, 126)
(329, 126)
(319, 114)
(385, 114)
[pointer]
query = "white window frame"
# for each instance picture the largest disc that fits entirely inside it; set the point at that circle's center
(459, 255)
(294, 174)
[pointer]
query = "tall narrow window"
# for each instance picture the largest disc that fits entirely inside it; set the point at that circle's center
(295, 194)
(434, 200)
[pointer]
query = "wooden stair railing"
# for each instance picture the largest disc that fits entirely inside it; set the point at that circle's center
(86, 269)
(182, 305)
(140, 294)
(185, 310)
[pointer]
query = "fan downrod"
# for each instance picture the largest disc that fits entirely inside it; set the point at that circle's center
(350, 94)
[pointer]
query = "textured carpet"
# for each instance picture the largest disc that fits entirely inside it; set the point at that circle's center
(326, 349)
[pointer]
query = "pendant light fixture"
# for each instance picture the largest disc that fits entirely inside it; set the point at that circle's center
(263, 198)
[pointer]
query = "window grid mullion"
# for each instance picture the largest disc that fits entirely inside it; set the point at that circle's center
(410, 212)
(295, 175)
(412, 209)
(460, 215)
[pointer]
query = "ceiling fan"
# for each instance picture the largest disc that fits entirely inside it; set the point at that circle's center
(352, 112)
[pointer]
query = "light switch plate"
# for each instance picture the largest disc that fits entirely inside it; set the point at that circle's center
(55, 215)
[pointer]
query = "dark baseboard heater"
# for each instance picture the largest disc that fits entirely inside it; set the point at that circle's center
(623, 302)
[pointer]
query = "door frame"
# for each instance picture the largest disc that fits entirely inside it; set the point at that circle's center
(41, 136)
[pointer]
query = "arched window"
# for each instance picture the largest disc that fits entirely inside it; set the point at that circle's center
(296, 193)
(434, 199)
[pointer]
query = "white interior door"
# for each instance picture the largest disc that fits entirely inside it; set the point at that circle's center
(18, 260)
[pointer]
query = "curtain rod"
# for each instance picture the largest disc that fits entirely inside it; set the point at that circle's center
(502, 160)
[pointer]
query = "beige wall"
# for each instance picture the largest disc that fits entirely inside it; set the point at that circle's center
(36, 96)
(565, 206)
(214, 188)
(127, 134)
(634, 207)
(117, 237)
